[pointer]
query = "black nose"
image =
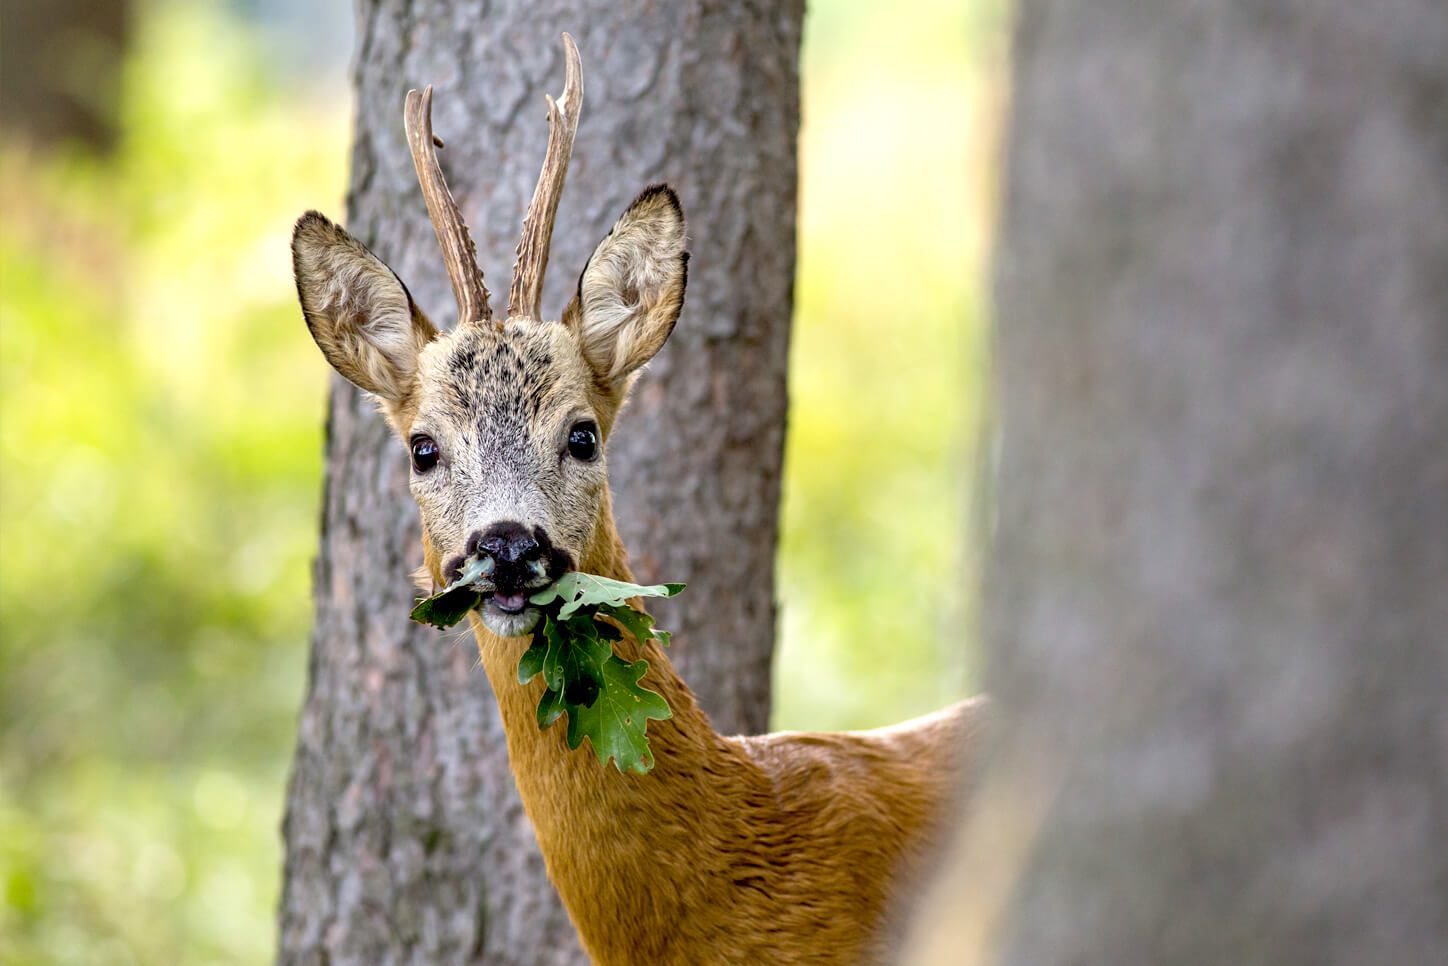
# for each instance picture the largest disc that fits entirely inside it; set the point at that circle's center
(520, 556)
(508, 543)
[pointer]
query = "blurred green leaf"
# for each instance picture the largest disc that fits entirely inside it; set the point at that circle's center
(161, 433)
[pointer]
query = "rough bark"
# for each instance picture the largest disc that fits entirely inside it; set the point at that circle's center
(405, 838)
(1218, 598)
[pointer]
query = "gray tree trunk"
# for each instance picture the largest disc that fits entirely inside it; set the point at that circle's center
(1218, 599)
(405, 838)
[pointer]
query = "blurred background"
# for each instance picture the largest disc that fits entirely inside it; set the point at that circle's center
(161, 430)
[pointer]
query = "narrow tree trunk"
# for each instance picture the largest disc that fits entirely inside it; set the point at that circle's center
(1218, 603)
(405, 838)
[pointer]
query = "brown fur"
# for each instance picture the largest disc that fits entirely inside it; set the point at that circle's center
(789, 848)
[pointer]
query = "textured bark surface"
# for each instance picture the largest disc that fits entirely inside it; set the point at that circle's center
(1218, 603)
(405, 838)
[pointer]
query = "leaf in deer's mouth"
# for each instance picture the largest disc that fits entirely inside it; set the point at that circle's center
(572, 648)
(577, 590)
(598, 691)
(450, 605)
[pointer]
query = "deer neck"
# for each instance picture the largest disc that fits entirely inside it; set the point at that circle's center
(606, 557)
(608, 837)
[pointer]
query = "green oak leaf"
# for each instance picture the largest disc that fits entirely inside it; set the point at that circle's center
(636, 622)
(572, 664)
(452, 603)
(550, 709)
(566, 669)
(581, 692)
(615, 723)
(572, 648)
(577, 590)
(598, 691)
(445, 610)
(556, 652)
(530, 665)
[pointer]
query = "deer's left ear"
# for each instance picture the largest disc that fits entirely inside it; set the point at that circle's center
(632, 289)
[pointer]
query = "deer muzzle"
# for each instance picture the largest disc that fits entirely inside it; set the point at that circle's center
(517, 561)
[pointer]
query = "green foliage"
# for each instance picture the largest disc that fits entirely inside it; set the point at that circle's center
(637, 622)
(584, 679)
(598, 690)
(579, 590)
(887, 362)
(159, 473)
(445, 609)
(571, 648)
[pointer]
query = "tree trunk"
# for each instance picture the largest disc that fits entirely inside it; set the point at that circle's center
(405, 838)
(1218, 600)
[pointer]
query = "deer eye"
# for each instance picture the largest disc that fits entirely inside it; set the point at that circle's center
(583, 441)
(424, 453)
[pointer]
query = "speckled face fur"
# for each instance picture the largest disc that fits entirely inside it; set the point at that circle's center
(501, 407)
(505, 424)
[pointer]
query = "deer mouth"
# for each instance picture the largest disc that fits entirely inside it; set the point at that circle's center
(509, 563)
(505, 608)
(509, 615)
(510, 603)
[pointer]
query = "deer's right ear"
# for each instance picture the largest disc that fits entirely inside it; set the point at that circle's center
(358, 311)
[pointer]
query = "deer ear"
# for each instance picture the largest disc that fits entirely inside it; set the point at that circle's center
(358, 311)
(632, 289)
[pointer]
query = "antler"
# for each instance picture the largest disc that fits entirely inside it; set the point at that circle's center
(458, 252)
(527, 285)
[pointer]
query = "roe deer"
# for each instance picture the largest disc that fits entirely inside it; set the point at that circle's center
(784, 848)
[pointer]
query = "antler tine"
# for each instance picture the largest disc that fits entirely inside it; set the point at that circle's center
(527, 287)
(458, 252)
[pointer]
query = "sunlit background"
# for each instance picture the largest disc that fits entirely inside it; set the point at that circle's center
(160, 442)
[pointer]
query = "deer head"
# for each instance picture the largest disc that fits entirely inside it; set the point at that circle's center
(506, 421)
